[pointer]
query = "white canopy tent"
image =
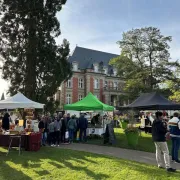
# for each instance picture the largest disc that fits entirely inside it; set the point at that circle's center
(19, 101)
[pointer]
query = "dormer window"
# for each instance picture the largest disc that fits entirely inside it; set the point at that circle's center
(105, 70)
(115, 71)
(75, 66)
(96, 67)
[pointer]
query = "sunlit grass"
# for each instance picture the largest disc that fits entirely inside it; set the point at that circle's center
(54, 163)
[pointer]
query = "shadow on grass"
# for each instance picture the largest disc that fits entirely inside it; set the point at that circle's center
(42, 173)
(58, 159)
(86, 170)
(78, 162)
(6, 173)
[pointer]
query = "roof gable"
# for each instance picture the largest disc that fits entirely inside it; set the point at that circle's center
(87, 57)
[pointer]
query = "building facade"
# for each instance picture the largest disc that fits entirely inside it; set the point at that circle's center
(91, 73)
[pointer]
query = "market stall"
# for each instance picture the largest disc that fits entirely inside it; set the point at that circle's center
(91, 103)
(30, 140)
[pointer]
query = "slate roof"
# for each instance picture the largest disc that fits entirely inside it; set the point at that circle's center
(87, 57)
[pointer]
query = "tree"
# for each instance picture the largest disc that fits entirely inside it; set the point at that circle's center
(33, 63)
(174, 87)
(144, 60)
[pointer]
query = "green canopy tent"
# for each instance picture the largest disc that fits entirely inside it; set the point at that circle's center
(89, 103)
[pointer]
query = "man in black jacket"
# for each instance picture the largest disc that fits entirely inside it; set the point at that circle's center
(83, 125)
(159, 130)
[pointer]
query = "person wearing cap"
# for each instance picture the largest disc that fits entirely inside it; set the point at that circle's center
(174, 129)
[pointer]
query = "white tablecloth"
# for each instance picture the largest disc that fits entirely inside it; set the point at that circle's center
(95, 131)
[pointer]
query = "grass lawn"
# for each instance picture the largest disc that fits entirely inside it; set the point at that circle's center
(145, 141)
(54, 163)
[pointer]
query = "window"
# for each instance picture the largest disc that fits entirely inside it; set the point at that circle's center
(115, 71)
(115, 85)
(105, 70)
(75, 67)
(68, 99)
(106, 85)
(95, 68)
(81, 82)
(80, 97)
(69, 83)
(96, 83)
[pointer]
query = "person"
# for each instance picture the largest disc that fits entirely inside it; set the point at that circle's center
(6, 121)
(159, 130)
(93, 121)
(63, 128)
(71, 128)
(174, 128)
(68, 117)
(57, 125)
(83, 124)
(52, 139)
(41, 129)
(46, 130)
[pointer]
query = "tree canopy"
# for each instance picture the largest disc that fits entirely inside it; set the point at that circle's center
(144, 62)
(33, 63)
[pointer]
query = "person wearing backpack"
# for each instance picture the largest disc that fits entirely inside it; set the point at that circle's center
(174, 129)
(159, 131)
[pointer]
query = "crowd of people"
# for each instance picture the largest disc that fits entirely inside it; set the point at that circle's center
(163, 130)
(62, 129)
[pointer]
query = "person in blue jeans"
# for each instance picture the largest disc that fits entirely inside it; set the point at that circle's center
(174, 129)
(71, 128)
(83, 125)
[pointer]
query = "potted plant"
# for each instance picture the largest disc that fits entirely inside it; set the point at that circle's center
(132, 132)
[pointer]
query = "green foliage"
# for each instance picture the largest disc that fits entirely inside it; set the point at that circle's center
(144, 60)
(131, 129)
(33, 63)
(175, 97)
(173, 86)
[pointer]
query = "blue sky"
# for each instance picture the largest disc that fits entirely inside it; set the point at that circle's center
(99, 24)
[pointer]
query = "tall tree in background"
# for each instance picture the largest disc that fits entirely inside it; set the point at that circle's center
(33, 63)
(174, 87)
(144, 62)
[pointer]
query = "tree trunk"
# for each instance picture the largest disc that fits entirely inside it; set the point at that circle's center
(30, 78)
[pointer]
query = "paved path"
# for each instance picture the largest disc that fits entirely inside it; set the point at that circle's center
(138, 156)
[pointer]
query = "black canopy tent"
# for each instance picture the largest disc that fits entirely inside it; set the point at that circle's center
(152, 101)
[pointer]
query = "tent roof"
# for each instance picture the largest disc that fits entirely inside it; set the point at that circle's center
(19, 101)
(90, 102)
(153, 101)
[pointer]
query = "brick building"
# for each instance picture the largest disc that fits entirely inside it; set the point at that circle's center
(91, 73)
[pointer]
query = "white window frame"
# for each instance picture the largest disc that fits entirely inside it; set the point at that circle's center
(96, 83)
(96, 68)
(69, 83)
(115, 71)
(75, 67)
(115, 85)
(105, 70)
(80, 97)
(68, 98)
(80, 83)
